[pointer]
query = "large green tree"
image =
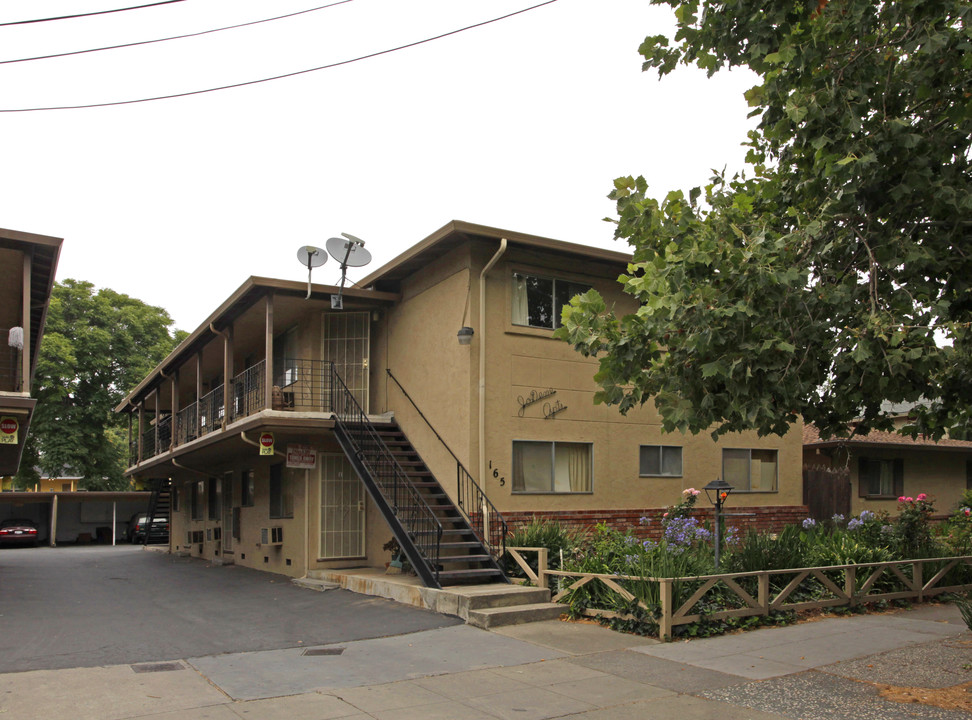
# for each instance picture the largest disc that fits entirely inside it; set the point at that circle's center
(98, 344)
(836, 272)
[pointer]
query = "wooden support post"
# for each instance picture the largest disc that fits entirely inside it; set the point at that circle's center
(850, 581)
(542, 557)
(174, 392)
(665, 621)
(198, 429)
(764, 592)
(141, 427)
(917, 577)
(228, 393)
(268, 354)
(25, 323)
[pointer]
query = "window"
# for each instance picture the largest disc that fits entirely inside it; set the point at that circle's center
(750, 470)
(551, 467)
(538, 301)
(880, 478)
(247, 489)
(660, 460)
(195, 501)
(281, 493)
(285, 358)
(214, 496)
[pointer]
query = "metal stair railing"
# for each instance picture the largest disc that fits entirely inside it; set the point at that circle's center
(155, 503)
(418, 531)
(477, 509)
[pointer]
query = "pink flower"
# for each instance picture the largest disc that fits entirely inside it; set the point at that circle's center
(921, 497)
(901, 499)
(665, 515)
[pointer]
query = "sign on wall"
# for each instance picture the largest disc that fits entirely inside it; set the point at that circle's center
(301, 457)
(8, 430)
(266, 443)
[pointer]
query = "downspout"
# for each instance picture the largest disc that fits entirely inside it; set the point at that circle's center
(482, 361)
(189, 469)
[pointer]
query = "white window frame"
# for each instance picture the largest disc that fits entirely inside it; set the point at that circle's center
(521, 318)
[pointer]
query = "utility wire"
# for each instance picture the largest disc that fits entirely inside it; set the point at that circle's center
(285, 75)
(99, 12)
(175, 37)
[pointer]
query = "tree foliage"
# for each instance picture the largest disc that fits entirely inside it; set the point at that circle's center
(97, 346)
(836, 272)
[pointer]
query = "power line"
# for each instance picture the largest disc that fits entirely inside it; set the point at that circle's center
(285, 75)
(175, 37)
(81, 15)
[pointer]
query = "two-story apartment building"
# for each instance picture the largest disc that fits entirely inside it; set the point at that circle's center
(433, 408)
(27, 266)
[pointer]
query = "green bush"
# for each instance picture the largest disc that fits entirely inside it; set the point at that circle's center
(552, 535)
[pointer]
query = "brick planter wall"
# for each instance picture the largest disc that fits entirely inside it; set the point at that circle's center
(764, 519)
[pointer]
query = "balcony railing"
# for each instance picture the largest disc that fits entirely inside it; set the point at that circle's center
(249, 395)
(302, 386)
(10, 365)
(187, 424)
(211, 411)
(298, 386)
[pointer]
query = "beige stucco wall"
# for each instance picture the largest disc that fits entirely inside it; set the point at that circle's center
(443, 378)
(940, 475)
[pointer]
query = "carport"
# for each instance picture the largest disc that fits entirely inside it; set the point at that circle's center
(76, 517)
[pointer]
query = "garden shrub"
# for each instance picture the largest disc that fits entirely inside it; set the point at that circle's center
(549, 534)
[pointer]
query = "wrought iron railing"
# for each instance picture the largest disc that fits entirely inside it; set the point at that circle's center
(133, 451)
(249, 391)
(415, 516)
(148, 443)
(302, 385)
(165, 433)
(10, 365)
(475, 506)
(187, 424)
(211, 411)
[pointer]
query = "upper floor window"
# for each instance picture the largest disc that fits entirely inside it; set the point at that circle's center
(537, 301)
(660, 461)
(750, 470)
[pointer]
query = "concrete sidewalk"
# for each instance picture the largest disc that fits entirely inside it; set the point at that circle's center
(830, 669)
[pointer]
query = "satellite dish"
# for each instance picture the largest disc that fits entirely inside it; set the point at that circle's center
(311, 257)
(350, 252)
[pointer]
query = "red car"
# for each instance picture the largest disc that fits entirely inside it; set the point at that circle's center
(18, 531)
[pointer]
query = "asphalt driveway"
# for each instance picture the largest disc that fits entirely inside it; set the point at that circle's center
(90, 606)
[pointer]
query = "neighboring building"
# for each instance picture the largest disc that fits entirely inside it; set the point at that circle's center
(515, 406)
(28, 263)
(884, 466)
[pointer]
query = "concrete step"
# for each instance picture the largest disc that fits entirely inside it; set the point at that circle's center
(503, 596)
(487, 618)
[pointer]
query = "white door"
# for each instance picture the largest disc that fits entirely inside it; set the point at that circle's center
(342, 509)
(347, 344)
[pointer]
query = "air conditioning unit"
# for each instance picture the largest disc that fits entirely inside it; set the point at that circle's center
(271, 536)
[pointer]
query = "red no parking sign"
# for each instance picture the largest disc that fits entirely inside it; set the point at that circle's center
(8, 430)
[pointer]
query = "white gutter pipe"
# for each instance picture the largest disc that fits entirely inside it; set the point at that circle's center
(482, 361)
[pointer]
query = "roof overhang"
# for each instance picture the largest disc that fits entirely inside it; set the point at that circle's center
(457, 232)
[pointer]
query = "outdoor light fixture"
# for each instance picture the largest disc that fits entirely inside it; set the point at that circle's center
(720, 489)
(465, 335)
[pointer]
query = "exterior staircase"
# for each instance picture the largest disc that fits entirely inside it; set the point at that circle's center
(159, 510)
(437, 538)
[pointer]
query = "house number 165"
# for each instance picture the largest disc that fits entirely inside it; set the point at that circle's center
(496, 474)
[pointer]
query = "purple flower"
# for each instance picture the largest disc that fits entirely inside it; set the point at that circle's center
(853, 524)
(809, 524)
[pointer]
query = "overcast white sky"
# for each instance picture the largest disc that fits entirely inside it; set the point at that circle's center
(520, 124)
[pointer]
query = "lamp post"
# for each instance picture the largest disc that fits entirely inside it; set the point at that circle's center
(717, 491)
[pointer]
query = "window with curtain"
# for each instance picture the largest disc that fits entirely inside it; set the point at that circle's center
(750, 470)
(552, 467)
(660, 460)
(880, 477)
(538, 301)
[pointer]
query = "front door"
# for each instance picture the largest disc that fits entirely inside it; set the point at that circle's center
(347, 345)
(342, 509)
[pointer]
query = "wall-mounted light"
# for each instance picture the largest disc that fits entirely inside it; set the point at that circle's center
(465, 335)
